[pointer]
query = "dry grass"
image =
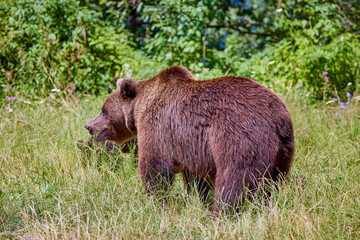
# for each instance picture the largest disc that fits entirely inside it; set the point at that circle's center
(46, 192)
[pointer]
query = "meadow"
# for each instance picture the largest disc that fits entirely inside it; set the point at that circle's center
(48, 191)
(58, 60)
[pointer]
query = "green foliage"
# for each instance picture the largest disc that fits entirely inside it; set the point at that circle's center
(81, 46)
(316, 41)
(177, 33)
(305, 63)
(61, 45)
(195, 33)
(313, 40)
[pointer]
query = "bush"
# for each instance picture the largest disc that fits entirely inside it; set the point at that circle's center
(80, 46)
(316, 53)
(61, 45)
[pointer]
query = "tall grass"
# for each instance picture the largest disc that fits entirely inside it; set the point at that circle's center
(47, 191)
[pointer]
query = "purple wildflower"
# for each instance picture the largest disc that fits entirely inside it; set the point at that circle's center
(337, 115)
(342, 107)
(348, 95)
(341, 104)
(326, 78)
(334, 99)
(325, 73)
(300, 85)
(347, 103)
(10, 98)
(6, 107)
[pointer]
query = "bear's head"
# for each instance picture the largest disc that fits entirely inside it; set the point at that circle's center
(116, 121)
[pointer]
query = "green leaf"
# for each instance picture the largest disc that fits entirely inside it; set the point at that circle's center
(52, 37)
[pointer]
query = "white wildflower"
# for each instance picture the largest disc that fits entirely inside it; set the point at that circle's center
(129, 73)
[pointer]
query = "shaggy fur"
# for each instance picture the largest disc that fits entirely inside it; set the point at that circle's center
(230, 131)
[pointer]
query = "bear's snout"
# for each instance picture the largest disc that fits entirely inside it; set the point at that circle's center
(88, 127)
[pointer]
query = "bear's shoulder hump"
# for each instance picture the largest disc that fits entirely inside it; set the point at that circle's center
(175, 73)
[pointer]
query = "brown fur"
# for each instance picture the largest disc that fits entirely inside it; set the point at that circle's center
(230, 131)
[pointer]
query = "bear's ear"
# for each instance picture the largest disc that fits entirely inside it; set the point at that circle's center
(127, 87)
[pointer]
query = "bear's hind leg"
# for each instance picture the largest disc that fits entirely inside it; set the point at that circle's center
(283, 161)
(231, 189)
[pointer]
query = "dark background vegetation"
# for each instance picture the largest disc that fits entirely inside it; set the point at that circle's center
(79, 47)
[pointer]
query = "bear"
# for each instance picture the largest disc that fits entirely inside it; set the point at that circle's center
(111, 148)
(230, 131)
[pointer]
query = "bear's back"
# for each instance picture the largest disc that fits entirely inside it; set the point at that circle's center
(233, 115)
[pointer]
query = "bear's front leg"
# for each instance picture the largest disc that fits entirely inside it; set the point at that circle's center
(157, 174)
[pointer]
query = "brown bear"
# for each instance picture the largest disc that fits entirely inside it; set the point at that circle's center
(230, 131)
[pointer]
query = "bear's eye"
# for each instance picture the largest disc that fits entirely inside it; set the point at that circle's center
(104, 111)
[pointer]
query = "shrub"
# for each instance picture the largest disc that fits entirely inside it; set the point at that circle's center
(61, 45)
(80, 46)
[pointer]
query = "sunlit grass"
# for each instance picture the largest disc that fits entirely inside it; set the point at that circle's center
(46, 190)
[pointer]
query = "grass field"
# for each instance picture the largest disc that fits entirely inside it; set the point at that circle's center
(47, 192)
